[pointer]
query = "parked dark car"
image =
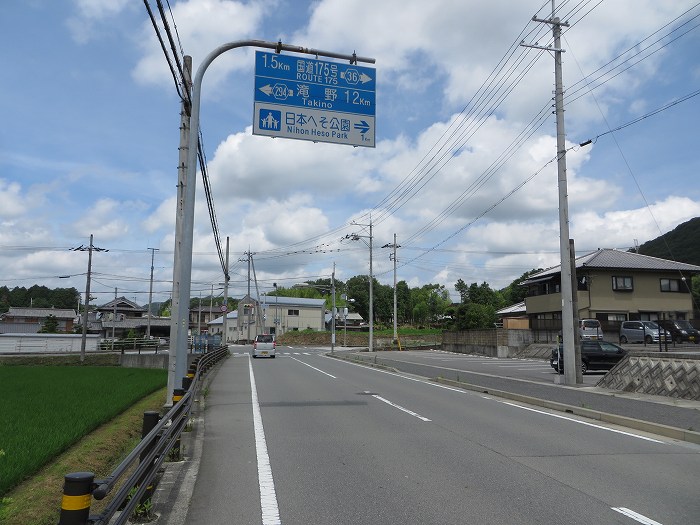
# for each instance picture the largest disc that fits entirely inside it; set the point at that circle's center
(681, 330)
(595, 355)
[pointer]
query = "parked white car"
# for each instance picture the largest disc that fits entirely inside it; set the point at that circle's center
(590, 330)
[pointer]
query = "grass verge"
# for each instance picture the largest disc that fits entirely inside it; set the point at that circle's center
(37, 501)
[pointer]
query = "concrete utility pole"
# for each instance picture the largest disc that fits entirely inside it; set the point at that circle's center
(356, 237)
(182, 274)
(88, 249)
(567, 313)
(227, 277)
(150, 295)
(249, 298)
(333, 311)
(393, 257)
(179, 321)
(114, 317)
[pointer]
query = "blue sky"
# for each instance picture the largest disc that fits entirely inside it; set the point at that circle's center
(91, 133)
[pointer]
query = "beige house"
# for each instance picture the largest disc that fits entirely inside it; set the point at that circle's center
(614, 286)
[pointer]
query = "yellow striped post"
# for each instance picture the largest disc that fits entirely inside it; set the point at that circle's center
(77, 497)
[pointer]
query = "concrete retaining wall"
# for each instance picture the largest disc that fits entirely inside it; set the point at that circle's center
(656, 373)
(496, 342)
(150, 360)
(46, 343)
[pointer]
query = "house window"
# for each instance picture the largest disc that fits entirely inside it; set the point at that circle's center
(622, 283)
(294, 313)
(671, 285)
(617, 317)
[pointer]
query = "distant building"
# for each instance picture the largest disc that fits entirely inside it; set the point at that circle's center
(20, 320)
(121, 316)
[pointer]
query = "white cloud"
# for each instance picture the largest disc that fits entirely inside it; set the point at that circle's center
(90, 14)
(204, 25)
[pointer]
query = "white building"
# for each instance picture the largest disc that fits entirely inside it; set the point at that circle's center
(272, 315)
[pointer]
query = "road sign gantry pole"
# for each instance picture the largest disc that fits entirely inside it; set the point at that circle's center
(179, 344)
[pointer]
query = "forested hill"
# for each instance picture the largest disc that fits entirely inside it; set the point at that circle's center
(681, 244)
(38, 297)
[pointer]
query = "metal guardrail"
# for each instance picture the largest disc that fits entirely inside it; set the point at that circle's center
(160, 438)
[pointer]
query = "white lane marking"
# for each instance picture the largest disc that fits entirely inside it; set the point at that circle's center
(317, 370)
(637, 517)
(268, 496)
(400, 407)
(424, 381)
(584, 423)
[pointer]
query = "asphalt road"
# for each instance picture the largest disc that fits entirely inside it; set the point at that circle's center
(306, 439)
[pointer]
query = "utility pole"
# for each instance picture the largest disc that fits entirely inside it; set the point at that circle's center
(393, 257)
(179, 321)
(114, 317)
(227, 277)
(249, 297)
(150, 294)
(357, 237)
(567, 313)
(333, 311)
(259, 321)
(88, 249)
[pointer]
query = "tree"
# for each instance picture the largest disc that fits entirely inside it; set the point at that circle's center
(404, 306)
(49, 325)
(463, 290)
(420, 313)
(515, 293)
(473, 316)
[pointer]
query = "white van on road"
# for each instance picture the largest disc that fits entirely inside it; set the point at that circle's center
(590, 330)
(264, 345)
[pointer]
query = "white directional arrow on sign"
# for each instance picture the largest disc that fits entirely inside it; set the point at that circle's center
(267, 89)
(365, 78)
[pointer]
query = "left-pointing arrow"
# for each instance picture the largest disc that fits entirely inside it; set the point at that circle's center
(267, 89)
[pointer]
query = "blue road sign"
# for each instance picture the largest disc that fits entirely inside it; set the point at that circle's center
(306, 98)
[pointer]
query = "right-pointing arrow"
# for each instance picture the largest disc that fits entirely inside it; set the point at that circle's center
(362, 126)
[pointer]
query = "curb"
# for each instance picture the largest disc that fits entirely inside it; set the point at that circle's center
(629, 422)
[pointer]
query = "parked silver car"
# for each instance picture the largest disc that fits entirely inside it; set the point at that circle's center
(641, 332)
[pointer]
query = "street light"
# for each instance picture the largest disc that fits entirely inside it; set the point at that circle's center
(357, 237)
(345, 298)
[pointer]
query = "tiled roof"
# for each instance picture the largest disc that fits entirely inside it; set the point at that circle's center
(271, 300)
(518, 308)
(618, 259)
(59, 313)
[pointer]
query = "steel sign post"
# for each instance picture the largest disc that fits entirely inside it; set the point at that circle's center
(182, 273)
(305, 98)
